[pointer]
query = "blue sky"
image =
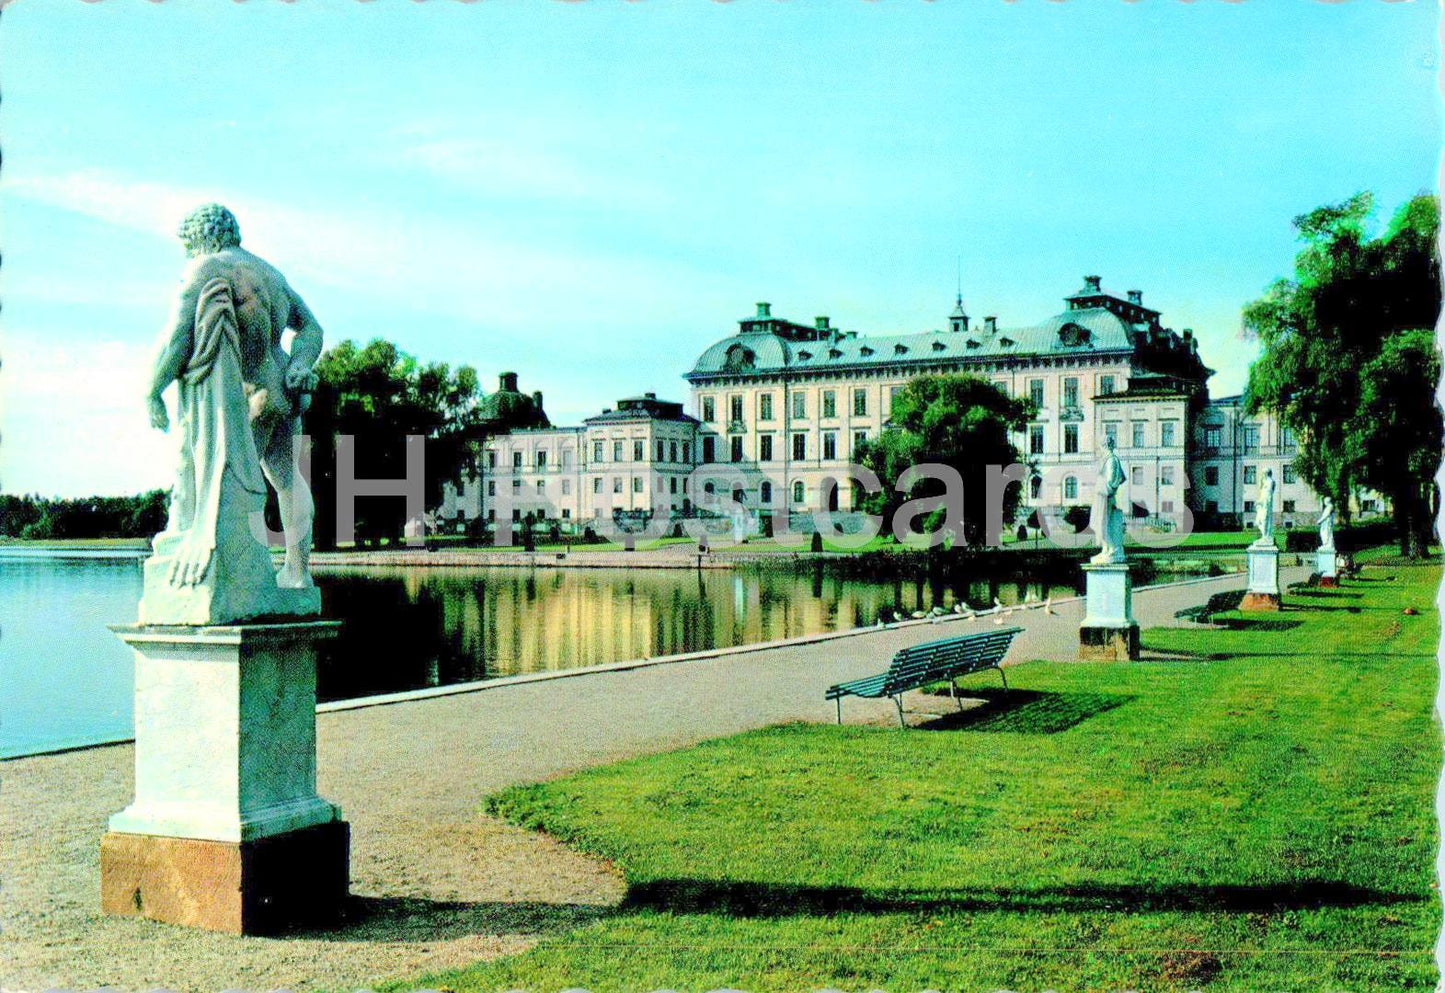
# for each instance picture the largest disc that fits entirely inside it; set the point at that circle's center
(590, 194)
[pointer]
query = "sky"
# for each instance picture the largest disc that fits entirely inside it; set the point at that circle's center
(590, 194)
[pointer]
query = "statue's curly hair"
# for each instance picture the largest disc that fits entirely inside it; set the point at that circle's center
(208, 229)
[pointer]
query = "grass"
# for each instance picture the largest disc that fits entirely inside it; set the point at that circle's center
(1254, 812)
(76, 542)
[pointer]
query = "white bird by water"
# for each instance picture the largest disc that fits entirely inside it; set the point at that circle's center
(998, 621)
(1049, 605)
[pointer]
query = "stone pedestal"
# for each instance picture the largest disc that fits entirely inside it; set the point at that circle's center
(226, 830)
(1263, 590)
(1109, 631)
(1327, 567)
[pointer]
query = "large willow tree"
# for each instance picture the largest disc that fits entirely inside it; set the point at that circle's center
(1349, 359)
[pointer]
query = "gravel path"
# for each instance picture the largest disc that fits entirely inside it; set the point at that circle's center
(435, 883)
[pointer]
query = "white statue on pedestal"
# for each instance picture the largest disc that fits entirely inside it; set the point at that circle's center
(1107, 520)
(1327, 525)
(1264, 510)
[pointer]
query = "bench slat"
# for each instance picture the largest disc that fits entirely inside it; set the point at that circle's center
(931, 661)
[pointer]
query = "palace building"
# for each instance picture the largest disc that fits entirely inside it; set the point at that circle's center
(784, 405)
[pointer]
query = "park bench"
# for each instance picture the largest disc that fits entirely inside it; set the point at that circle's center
(931, 662)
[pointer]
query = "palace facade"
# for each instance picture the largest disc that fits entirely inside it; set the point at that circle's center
(780, 407)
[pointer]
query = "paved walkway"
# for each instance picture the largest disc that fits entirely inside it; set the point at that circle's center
(439, 885)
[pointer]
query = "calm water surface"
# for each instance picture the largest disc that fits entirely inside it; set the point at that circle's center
(66, 680)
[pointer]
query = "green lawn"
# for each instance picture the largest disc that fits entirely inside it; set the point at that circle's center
(1254, 814)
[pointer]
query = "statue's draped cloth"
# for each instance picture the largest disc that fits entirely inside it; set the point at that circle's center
(209, 566)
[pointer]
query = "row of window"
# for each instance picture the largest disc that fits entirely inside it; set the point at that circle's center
(1251, 475)
(767, 451)
(1248, 436)
(617, 485)
(667, 451)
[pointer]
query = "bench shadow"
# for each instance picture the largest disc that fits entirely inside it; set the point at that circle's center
(405, 919)
(751, 899)
(1326, 594)
(1255, 624)
(1023, 711)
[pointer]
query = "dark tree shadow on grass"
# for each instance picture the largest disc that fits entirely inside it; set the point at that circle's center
(750, 899)
(401, 919)
(1326, 594)
(1024, 711)
(1256, 624)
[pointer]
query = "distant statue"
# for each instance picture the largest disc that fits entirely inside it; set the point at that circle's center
(240, 400)
(1327, 525)
(1264, 509)
(1107, 519)
(744, 523)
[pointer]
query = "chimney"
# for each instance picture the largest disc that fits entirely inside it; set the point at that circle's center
(821, 323)
(1136, 297)
(537, 399)
(1091, 284)
(990, 325)
(649, 396)
(508, 381)
(765, 309)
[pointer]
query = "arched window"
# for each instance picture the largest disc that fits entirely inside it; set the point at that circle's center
(1036, 487)
(1071, 488)
(799, 493)
(709, 488)
(765, 492)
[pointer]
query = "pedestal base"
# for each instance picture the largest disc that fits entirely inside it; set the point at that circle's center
(1327, 567)
(1329, 582)
(247, 887)
(1108, 644)
(1260, 601)
(1263, 590)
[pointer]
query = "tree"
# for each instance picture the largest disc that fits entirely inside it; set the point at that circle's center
(956, 420)
(1349, 361)
(380, 395)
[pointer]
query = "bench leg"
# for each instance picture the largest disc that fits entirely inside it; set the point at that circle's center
(898, 702)
(1002, 676)
(953, 690)
(839, 702)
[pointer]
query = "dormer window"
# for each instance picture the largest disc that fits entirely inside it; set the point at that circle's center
(1006, 342)
(835, 353)
(972, 343)
(738, 358)
(939, 346)
(900, 349)
(1074, 335)
(865, 351)
(805, 356)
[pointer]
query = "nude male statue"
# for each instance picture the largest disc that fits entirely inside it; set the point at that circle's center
(277, 385)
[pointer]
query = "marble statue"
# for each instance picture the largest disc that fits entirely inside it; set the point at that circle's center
(240, 400)
(1327, 525)
(1264, 510)
(1107, 520)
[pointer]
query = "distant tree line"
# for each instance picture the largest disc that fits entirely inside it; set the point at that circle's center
(42, 518)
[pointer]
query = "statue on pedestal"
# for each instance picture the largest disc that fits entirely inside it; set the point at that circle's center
(1327, 525)
(1264, 510)
(240, 400)
(1106, 519)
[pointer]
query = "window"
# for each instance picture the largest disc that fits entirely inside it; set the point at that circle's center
(1288, 474)
(566, 458)
(1071, 439)
(830, 444)
(735, 448)
(1036, 439)
(1166, 475)
(491, 513)
(765, 492)
(709, 449)
(1111, 432)
(1288, 506)
(765, 407)
(1071, 488)
(892, 397)
(639, 451)
(616, 484)
(566, 487)
(516, 460)
(1137, 435)
(830, 403)
(597, 485)
(1251, 437)
(492, 488)
(516, 513)
(1286, 438)
(765, 448)
(1249, 475)
(860, 402)
(1213, 435)
(735, 408)
(1211, 506)
(541, 488)
(1136, 476)
(800, 446)
(1001, 385)
(799, 493)
(516, 486)
(1166, 433)
(672, 451)
(492, 459)
(1166, 506)
(541, 458)
(566, 511)
(672, 484)
(617, 451)
(636, 484)
(687, 451)
(1106, 385)
(709, 412)
(859, 437)
(662, 451)
(1071, 391)
(800, 405)
(597, 451)
(1036, 392)
(1249, 506)
(1036, 487)
(1211, 475)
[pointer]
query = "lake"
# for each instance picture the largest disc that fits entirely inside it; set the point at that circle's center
(66, 680)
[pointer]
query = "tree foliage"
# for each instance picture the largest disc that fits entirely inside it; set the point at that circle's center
(47, 518)
(955, 420)
(1349, 360)
(380, 395)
